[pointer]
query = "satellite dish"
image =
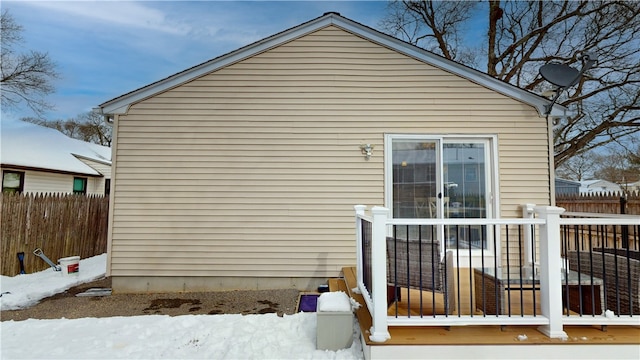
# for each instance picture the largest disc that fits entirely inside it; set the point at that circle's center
(560, 75)
(564, 76)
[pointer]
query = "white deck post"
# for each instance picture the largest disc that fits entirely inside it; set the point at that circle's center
(359, 211)
(379, 328)
(550, 276)
(529, 246)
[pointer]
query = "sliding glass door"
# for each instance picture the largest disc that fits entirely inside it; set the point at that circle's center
(440, 177)
(415, 178)
(465, 190)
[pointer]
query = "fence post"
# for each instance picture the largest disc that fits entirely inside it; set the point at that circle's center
(550, 274)
(359, 272)
(624, 228)
(379, 328)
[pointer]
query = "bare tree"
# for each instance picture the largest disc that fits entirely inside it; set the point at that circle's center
(578, 168)
(95, 129)
(89, 127)
(617, 168)
(435, 26)
(634, 159)
(24, 77)
(521, 36)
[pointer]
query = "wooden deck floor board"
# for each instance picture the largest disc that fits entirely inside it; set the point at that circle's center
(485, 335)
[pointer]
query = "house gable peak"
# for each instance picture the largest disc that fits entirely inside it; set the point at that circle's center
(121, 104)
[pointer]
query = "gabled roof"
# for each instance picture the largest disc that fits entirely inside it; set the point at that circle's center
(29, 146)
(595, 185)
(121, 104)
(567, 182)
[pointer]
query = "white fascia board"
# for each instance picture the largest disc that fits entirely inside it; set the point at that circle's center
(121, 104)
(96, 160)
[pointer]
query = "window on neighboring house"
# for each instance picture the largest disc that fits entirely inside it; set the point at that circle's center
(107, 186)
(12, 181)
(79, 185)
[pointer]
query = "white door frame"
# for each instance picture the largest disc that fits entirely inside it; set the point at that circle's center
(491, 185)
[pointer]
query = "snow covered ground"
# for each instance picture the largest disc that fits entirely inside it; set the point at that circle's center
(151, 336)
(22, 291)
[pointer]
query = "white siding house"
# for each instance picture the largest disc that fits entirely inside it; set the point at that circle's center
(243, 171)
(566, 187)
(598, 186)
(36, 159)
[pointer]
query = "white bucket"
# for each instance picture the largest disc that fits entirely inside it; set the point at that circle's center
(70, 265)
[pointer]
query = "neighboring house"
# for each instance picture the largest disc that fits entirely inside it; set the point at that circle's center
(37, 159)
(635, 186)
(243, 171)
(567, 187)
(598, 186)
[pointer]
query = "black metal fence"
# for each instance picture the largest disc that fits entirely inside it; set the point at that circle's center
(599, 271)
(609, 257)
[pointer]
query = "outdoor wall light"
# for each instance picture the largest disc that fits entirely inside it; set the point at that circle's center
(367, 149)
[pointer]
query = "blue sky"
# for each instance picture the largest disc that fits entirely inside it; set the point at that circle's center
(104, 49)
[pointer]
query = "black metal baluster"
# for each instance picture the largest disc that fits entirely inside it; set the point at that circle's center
(603, 236)
(420, 266)
(576, 244)
(498, 287)
(580, 302)
(533, 265)
(409, 274)
(508, 272)
(470, 267)
(458, 305)
(593, 302)
(520, 269)
(616, 270)
(395, 267)
(433, 275)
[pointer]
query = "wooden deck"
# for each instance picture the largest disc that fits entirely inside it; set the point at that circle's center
(475, 335)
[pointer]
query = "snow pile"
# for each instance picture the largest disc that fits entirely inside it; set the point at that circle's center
(334, 301)
(160, 337)
(152, 336)
(25, 290)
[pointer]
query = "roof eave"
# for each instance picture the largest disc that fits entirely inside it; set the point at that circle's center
(96, 160)
(51, 170)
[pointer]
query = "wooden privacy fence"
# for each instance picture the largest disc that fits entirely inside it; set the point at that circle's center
(609, 236)
(602, 203)
(60, 225)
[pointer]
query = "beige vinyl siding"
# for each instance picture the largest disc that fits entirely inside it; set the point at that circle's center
(253, 170)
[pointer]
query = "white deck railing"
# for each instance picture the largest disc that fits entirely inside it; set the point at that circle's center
(565, 296)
